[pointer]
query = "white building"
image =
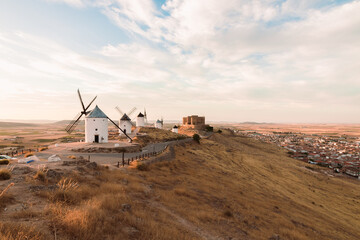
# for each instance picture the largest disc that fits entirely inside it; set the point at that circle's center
(175, 129)
(125, 124)
(159, 124)
(140, 120)
(96, 127)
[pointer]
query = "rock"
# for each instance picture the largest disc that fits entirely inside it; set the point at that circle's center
(91, 165)
(125, 207)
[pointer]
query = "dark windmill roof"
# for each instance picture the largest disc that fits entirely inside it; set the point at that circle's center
(96, 113)
(140, 115)
(125, 118)
(175, 126)
(158, 121)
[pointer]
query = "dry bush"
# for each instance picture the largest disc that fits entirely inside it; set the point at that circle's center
(43, 149)
(41, 174)
(72, 157)
(29, 154)
(66, 192)
(4, 162)
(142, 167)
(16, 231)
(5, 174)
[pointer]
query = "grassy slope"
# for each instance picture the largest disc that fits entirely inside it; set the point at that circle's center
(228, 186)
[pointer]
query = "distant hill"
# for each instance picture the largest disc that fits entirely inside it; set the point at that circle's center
(16, 124)
(65, 122)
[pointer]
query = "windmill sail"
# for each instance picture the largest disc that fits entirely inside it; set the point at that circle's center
(72, 125)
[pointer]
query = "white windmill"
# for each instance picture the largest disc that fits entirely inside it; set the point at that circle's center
(96, 123)
(125, 121)
(140, 120)
(175, 129)
(96, 126)
(159, 123)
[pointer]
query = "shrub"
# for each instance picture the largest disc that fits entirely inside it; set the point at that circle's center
(72, 157)
(43, 149)
(209, 128)
(142, 167)
(196, 138)
(40, 175)
(219, 131)
(4, 162)
(29, 154)
(5, 174)
(228, 213)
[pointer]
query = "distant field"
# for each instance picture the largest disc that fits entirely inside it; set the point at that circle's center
(29, 135)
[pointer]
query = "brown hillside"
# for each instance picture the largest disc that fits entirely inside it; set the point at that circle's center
(226, 187)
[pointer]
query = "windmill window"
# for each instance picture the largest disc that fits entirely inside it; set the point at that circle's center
(94, 120)
(95, 129)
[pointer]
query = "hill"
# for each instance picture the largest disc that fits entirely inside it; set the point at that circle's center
(15, 124)
(226, 187)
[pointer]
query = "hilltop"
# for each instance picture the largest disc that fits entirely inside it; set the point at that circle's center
(226, 187)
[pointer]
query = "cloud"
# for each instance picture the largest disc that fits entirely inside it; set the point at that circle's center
(250, 55)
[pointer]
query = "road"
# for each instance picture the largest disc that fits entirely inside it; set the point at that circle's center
(108, 158)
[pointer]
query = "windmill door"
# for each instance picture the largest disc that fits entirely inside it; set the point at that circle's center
(96, 138)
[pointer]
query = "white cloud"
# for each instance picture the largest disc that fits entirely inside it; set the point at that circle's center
(240, 55)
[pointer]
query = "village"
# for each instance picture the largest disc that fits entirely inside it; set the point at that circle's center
(340, 153)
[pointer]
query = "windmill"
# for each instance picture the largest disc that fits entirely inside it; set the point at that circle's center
(125, 120)
(72, 125)
(94, 129)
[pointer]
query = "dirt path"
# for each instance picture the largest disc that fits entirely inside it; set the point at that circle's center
(185, 223)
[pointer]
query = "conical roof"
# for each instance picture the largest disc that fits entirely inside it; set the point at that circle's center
(96, 113)
(125, 118)
(175, 126)
(158, 121)
(140, 115)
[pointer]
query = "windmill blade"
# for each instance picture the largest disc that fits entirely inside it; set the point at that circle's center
(72, 125)
(131, 111)
(90, 104)
(82, 103)
(120, 129)
(118, 109)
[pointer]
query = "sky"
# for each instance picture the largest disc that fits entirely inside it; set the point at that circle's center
(285, 61)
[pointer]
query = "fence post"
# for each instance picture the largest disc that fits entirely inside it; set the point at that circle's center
(128, 161)
(123, 158)
(118, 165)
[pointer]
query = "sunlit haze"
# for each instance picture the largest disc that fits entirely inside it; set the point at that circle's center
(264, 61)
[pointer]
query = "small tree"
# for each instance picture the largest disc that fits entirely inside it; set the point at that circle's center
(196, 138)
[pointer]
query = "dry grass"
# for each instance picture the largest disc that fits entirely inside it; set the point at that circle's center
(41, 174)
(226, 187)
(72, 157)
(16, 231)
(156, 135)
